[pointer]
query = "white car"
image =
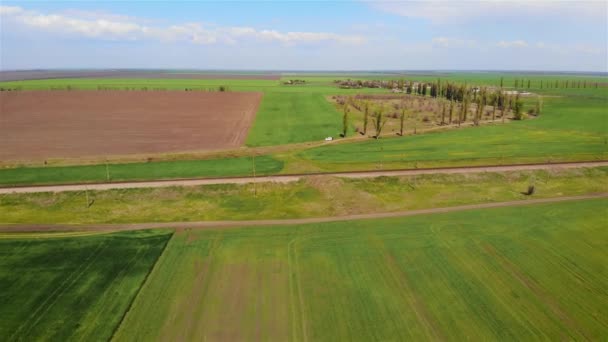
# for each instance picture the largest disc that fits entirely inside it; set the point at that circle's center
(329, 139)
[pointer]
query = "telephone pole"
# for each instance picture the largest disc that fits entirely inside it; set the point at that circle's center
(255, 190)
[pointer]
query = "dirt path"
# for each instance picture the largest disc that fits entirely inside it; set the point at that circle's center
(293, 178)
(245, 223)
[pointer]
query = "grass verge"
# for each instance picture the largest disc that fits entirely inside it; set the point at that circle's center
(311, 197)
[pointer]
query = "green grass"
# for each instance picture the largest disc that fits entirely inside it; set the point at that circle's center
(72, 288)
(570, 129)
(525, 273)
(293, 117)
(573, 127)
(240, 166)
(314, 197)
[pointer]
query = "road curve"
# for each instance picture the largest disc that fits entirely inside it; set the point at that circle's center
(246, 223)
(293, 178)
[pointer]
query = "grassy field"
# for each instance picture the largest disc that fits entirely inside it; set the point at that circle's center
(285, 118)
(226, 167)
(573, 126)
(313, 197)
(523, 273)
(72, 286)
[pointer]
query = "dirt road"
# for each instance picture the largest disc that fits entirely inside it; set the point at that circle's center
(293, 178)
(246, 223)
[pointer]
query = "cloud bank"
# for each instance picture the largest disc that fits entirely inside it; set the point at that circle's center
(447, 11)
(115, 27)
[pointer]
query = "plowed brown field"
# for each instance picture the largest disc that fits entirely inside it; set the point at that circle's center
(54, 124)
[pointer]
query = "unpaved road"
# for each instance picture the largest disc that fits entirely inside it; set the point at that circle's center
(293, 178)
(246, 223)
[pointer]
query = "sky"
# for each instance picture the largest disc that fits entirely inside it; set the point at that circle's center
(305, 35)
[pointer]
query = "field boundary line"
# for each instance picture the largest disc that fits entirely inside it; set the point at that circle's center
(285, 178)
(143, 282)
(11, 227)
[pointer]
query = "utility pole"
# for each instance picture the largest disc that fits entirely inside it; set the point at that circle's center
(86, 193)
(107, 171)
(255, 190)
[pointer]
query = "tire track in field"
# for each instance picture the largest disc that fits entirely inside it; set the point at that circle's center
(73, 277)
(296, 290)
(424, 317)
(538, 291)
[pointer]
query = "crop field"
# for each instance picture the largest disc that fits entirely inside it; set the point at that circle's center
(237, 166)
(293, 117)
(272, 172)
(572, 127)
(523, 273)
(43, 124)
(72, 286)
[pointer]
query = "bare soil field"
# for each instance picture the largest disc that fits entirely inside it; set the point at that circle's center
(56, 124)
(51, 74)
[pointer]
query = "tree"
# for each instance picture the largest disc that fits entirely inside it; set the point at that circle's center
(501, 81)
(528, 84)
(401, 120)
(379, 121)
(516, 83)
(494, 105)
(506, 106)
(345, 110)
(541, 84)
(438, 90)
(443, 112)
(480, 107)
(465, 108)
(518, 113)
(451, 110)
(365, 116)
(539, 105)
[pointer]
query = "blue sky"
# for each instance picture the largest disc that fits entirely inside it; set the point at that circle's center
(306, 35)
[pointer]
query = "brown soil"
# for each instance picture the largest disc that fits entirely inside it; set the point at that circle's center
(51, 124)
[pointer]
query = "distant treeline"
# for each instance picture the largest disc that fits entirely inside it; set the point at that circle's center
(220, 88)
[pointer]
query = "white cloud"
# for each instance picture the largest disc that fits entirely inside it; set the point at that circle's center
(512, 44)
(453, 42)
(446, 10)
(109, 26)
(10, 10)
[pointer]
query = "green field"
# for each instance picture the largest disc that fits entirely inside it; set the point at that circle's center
(225, 167)
(311, 197)
(285, 118)
(573, 127)
(60, 287)
(524, 273)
